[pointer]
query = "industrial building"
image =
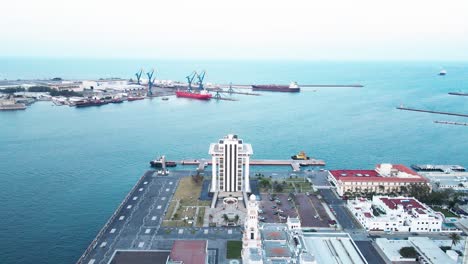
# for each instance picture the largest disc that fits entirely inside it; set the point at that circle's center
(445, 176)
(385, 178)
(396, 214)
(428, 251)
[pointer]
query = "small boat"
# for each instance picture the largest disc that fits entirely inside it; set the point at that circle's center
(300, 156)
(135, 98)
(443, 72)
(116, 100)
(165, 98)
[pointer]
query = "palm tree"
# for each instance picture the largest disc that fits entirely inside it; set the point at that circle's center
(455, 238)
(236, 218)
(226, 218)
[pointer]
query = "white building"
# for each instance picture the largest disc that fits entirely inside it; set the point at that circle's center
(230, 166)
(385, 178)
(399, 214)
(428, 250)
(273, 243)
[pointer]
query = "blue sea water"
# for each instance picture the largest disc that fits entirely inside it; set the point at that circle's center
(63, 170)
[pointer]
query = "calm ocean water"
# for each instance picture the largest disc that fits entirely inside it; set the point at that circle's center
(64, 170)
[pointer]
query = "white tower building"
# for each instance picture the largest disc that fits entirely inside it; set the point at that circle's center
(251, 241)
(230, 165)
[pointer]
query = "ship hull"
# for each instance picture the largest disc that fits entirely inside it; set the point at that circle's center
(275, 88)
(296, 158)
(190, 95)
(92, 103)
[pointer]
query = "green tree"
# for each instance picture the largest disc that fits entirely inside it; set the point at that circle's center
(408, 252)
(225, 218)
(278, 187)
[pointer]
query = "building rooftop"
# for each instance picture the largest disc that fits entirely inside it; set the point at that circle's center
(139, 257)
(430, 250)
(335, 248)
(189, 251)
(276, 249)
(399, 173)
(407, 203)
(273, 234)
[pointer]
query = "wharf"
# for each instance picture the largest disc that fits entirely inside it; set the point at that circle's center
(459, 94)
(451, 123)
(431, 112)
(295, 164)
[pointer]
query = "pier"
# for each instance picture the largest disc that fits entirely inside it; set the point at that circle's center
(459, 94)
(451, 123)
(295, 164)
(431, 112)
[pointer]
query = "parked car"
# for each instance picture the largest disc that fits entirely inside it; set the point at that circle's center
(273, 207)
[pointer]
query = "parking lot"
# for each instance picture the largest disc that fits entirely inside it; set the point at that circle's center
(311, 211)
(276, 209)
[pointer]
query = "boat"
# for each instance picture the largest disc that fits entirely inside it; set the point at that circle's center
(292, 88)
(116, 100)
(93, 102)
(443, 72)
(11, 105)
(203, 95)
(135, 98)
(300, 156)
(158, 163)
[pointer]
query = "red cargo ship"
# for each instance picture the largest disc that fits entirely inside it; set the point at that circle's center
(292, 88)
(203, 95)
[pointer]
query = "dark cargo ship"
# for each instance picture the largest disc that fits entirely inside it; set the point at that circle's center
(292, 88)
(87, 103)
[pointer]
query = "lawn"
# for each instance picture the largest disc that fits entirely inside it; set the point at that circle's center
(446, 212)
(234, 249)
(188, 192)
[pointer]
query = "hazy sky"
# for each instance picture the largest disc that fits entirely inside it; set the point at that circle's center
(211, 29)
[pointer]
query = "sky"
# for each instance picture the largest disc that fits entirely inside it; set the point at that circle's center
(240, 29)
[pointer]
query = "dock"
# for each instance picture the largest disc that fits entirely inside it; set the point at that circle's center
(295, 164)
(431, 112)
(451, 123)
(459, 94)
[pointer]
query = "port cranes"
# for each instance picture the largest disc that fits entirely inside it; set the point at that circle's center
(138, 76)
(150, 82)
(200, 78)
(190, 80)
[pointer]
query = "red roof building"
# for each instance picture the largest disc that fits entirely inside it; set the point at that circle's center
(189, 251)
(384, 179)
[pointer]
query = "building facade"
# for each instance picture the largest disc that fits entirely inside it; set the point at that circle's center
(230, 165)
(396, 214)
(385, 178)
